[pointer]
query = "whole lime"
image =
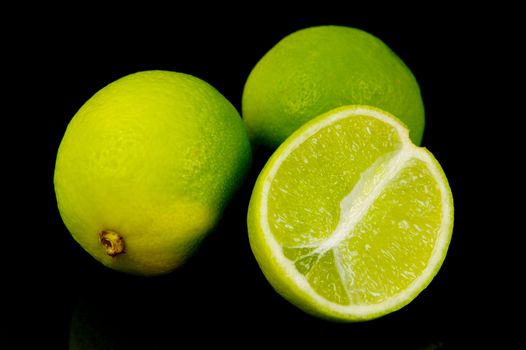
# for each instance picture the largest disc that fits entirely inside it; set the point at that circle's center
(316, 69)
(146, 167)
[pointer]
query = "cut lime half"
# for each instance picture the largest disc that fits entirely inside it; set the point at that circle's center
(349, 220)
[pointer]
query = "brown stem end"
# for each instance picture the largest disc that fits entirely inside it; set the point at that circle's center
(112, 242)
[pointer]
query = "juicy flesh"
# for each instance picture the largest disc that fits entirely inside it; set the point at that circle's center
(356, 213)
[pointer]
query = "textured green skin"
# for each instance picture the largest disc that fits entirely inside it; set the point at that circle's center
(314, 70)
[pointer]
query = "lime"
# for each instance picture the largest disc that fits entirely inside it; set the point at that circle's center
(146, 167)
(314, 70)
(349, 220)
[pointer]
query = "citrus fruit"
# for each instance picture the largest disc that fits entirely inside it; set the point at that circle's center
(316, 69)
(349, 220)
(146, 167)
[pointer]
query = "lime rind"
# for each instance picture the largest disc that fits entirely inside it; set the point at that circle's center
(288, 276)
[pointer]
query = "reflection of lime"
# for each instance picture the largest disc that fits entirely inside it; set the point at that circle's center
(317, 69)
(145, 168)
(349, 220)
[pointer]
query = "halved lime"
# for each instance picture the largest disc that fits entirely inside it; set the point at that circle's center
(349, 220)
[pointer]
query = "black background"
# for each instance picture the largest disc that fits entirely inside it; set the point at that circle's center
(220, 295)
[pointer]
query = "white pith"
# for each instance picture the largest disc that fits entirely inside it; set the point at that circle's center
(352, 214)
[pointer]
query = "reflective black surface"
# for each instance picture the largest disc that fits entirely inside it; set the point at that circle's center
(61, 296)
